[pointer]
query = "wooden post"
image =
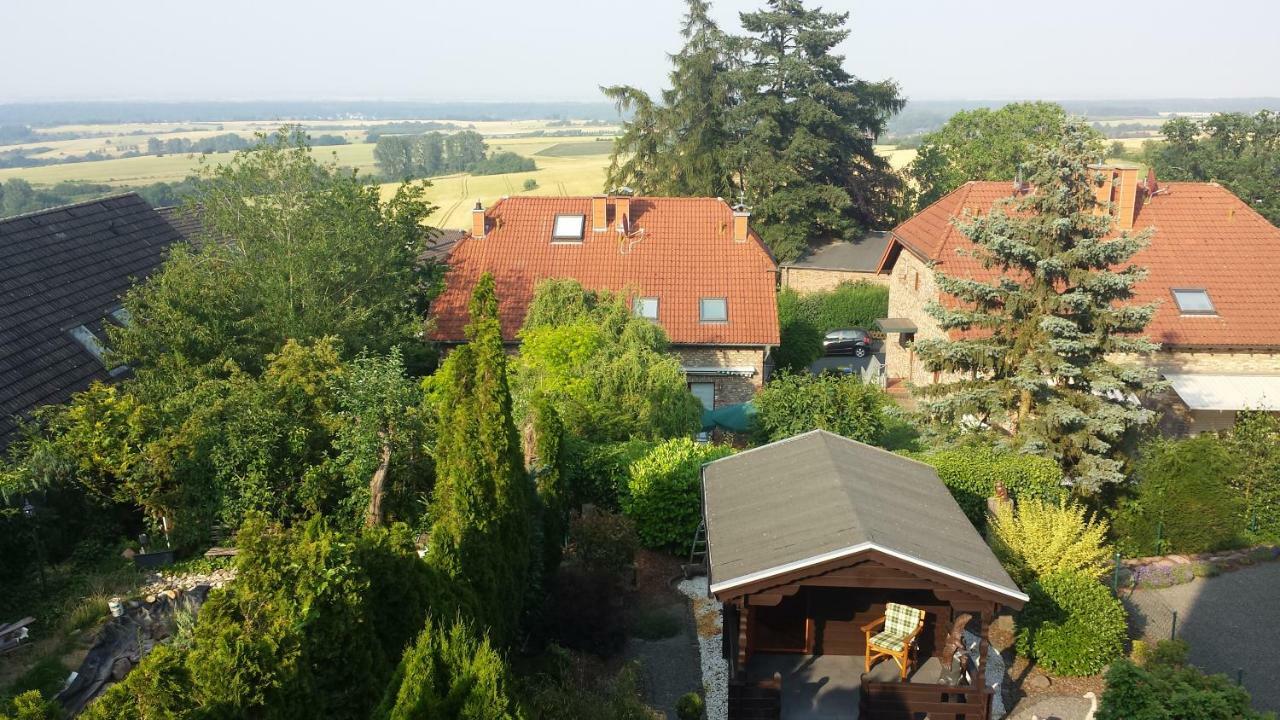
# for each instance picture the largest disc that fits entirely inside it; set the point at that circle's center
(744, 619)
(983, 643)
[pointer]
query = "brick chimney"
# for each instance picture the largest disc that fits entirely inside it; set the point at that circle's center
(741, 223)
(477, 221)
(599, 213)
(1118, 194)
(622, 212)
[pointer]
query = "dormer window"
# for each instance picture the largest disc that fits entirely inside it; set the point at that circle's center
(93, 345)
(568, 228)
(1194, 301)
(645, 307)
(713, 309)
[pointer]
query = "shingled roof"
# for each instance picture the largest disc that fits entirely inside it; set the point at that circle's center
(677, 249)
(818, 497)
(61, 269)
(1205, 237)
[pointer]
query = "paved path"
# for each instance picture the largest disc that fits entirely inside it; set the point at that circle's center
(1052, 707)
(670, 667)
(835, 362)
(1231, 621)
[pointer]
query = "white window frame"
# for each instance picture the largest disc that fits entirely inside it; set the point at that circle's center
(560, 233)
(702, 310)
(639, 303)
(1177, 300)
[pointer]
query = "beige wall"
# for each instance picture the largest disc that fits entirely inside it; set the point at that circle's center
(1210, 362)
(729, 389)
(808, 280)
(911, 288)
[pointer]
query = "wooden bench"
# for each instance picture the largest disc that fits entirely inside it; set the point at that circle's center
(12, 635)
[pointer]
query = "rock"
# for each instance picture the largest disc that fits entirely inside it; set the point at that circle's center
(128, 554)
(119, 668)
(1039, 681)
(1180, 559)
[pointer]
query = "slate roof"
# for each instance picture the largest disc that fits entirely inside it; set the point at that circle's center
(1205, 237)
(861, 255)
(61, 268)
(819, 496)
(679, 250)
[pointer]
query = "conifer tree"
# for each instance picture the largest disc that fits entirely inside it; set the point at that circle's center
(483, 498)
(1037, 346)
(805, 158)
(678, 147)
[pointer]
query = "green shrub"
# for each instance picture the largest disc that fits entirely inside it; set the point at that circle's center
(804, 319)
(690, 706)
(597, 472)
(971, 472)
(31, 705)
(794, 403)
(530, 184)
(448, 673)
(1037, 537)
(1183, 502)
(1254, 442)
(656, 624)
(574, 686)
(1072, 625)
(1204, 569)
(1165, 687)
(664, 491)
(44, 677)
(603, 542)
(159, 687)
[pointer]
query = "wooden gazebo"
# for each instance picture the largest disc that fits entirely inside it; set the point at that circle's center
(808, 539)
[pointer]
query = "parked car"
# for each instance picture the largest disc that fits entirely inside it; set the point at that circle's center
(851, 341)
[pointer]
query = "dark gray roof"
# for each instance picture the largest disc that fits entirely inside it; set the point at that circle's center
(441, 244)
(819, 496)
(862, 255)
(59, 269)
(186, 220)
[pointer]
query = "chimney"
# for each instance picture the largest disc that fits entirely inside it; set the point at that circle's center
(1102, 193)
(477, 221)
(741, 216)
(599, 213)
(1126, 197)
(622, 212)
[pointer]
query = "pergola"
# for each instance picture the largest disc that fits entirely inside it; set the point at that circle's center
(808, 538)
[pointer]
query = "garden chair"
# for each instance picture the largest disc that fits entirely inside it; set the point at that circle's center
(901, 626)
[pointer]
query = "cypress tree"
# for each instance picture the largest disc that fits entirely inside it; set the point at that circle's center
(806, 155)
(482, 501)
(1037, 344)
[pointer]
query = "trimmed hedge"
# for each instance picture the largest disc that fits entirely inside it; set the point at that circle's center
(970, 472)
(597, 472)
(1072, 626)
(804, 319)
(664, 497)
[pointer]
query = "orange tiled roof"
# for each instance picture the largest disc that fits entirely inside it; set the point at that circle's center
(679, 250)
(1205, 238)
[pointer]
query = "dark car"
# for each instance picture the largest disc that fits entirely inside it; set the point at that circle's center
(852, 341)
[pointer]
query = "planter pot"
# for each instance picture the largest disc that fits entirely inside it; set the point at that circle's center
(158, 558)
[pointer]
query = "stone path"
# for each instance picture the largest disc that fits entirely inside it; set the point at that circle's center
(1052, 707)
(1230, 622)
(670, 667)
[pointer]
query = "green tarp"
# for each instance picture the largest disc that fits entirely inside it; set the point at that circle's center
(733, 418)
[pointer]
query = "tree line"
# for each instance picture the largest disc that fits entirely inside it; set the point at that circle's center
(430, 154)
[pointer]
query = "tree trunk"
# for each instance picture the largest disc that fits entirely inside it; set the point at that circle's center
(377, 486)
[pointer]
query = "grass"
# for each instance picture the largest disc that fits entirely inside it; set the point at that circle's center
(47, 676)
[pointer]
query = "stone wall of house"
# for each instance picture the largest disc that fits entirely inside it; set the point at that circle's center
(809, 280)
(912, 286)
(1209, 362)
(729, 389)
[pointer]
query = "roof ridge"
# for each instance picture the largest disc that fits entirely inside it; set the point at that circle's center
(67, 206)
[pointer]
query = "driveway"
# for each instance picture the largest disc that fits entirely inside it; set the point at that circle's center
(832, 362)
(1230, 621)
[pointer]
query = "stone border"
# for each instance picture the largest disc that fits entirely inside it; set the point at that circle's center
(1162, 571)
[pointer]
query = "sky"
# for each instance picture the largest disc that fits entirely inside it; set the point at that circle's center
(561, 50)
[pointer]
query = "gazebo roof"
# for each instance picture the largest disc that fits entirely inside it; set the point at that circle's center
(818, 497)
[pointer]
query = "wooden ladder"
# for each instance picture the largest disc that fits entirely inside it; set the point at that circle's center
(697, 552)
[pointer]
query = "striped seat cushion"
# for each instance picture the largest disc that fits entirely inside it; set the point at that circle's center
(901, 620)
(888, 641)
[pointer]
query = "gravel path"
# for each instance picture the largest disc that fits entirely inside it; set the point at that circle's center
(1053, 707)
(715, 669)
(1229, 620)
(670, 666)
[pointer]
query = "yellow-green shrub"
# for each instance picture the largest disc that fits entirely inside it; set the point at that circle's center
(1036, 537)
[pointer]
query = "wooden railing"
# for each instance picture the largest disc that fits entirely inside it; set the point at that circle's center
(761, 700)
(903, 701)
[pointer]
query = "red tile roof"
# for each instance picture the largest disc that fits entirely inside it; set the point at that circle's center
(1205, 238)
(679, 250)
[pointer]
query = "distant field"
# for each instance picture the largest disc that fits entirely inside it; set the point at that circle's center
(575, 149)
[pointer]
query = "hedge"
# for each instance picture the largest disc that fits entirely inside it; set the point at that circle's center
(804, 319)
(597, 472)
(1072, 625)
(971, 472)
(664, 494)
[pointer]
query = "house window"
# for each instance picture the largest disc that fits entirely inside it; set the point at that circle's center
(713, 309)
(645, 307)
(705, 392)
(1193, 301)
(568, 228)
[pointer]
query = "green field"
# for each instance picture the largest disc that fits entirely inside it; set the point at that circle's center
(575, 149)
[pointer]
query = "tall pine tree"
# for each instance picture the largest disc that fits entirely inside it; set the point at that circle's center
(1036, 348)
(483, 498)
(678, 147)
(805, 158)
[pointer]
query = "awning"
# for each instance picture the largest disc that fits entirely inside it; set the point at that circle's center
(1227, 392)
(896, 325)
(746, 371)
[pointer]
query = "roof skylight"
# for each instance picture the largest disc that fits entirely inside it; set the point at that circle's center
(569, 227)
(1194, 301)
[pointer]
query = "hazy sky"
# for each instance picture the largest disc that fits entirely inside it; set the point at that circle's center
(562, 50)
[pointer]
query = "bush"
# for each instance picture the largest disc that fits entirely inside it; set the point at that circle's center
(603, 543)
(503, 163)
(690, 706)
(570, 686)
(804, 319)
(1162, 685)
(597, 472)
(971, 472)
(794, 403)
(664, 491)
(580, 612)
(32, 706)
(1072, 625)
(1037, 537)
(530, 184)
(1183, 502)
(1254, 442)
(448, 673)
(159, 687)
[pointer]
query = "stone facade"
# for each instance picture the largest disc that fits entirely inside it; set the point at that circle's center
(729, 389)
(912, 286)
(809, 280)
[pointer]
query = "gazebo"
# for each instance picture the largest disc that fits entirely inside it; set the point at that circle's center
(808, 540)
